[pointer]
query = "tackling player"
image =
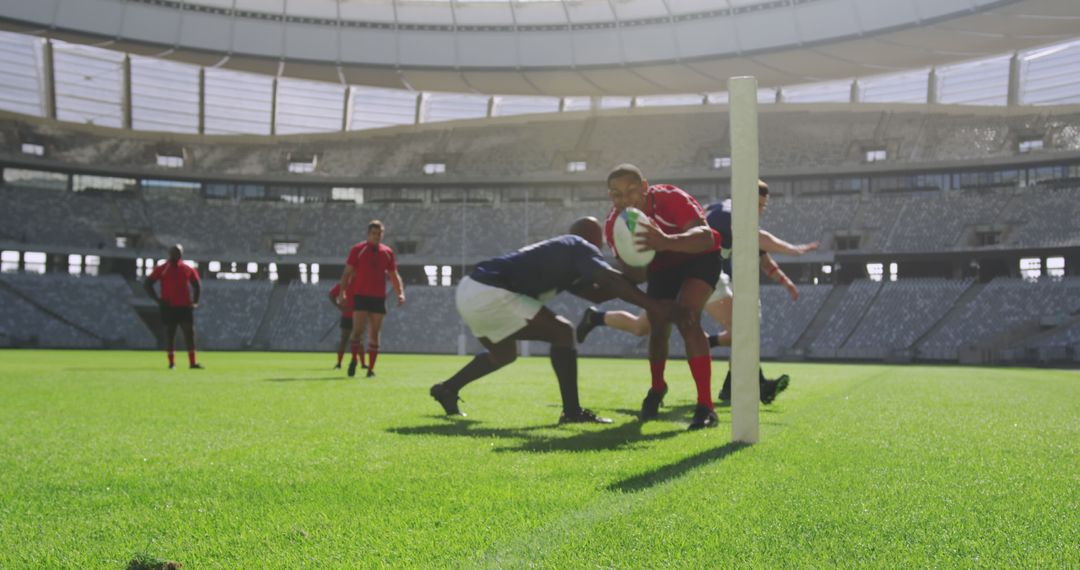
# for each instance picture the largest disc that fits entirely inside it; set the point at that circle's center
(502, 301)
(368, 266)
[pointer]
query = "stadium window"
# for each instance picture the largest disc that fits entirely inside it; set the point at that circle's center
(75, 264)
(121, 242)
(91, 265)
(1029, 145)
(406, 247)
(893, 271)
(433, 168)
(84, 182)
(9, 261)
(34, 262)
(1030, 268)
(432, 272)
(844, 243)
(170, 161)
(252, 267)
(984, 238)
(874, 271)
(314, 271)
(272, 271)
(214, 266)
(875, 155)
(286, 247)
(721, 162)
(826, 269)
(35, 179)
(615, 102)
(447, 271)
(33, 149)
(303, 166)
(21, 91)
(1055, 267)
(347, 194)
(576, 166)
(171, 185)
(576, 104)
(303, 272)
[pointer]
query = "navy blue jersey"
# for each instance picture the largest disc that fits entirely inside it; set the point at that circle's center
(718, 216)
(544, 268)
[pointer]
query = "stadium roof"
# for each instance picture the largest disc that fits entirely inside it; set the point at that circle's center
(555, 47)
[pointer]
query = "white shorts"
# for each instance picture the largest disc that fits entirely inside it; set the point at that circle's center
(722, 290)
(494, 313)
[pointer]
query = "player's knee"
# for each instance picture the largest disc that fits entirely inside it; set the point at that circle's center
(503, 354)
(563, 333)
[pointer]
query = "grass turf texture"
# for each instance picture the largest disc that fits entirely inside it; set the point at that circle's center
(275, 461)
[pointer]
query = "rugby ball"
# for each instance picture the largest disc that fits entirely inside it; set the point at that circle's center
(630, 223)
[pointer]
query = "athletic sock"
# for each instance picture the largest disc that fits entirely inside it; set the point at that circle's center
(564, 362)
(172, 358)
(340, 355)
(372, 353)
(480, 366)
(355, 350)
(363, 359)
(714, 340)
(191, 358)
(701, 370)
(596, 319)
(656, 367)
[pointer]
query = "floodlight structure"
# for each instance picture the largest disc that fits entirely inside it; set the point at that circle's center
(746, 319)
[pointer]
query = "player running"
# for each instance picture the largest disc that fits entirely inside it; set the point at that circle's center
(363, 285)
(685, 269)
(719, 305)
(346, 326)
(502, 301)
(177, 302)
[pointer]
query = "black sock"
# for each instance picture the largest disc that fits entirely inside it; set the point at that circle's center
(760, 376)
(597, 319)
(714, 340)
(564, 361)
(480, 366)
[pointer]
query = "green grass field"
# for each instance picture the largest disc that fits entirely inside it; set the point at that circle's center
(275, 461)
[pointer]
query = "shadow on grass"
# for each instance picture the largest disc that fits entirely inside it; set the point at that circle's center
(539, 439)
(675, 470)
(307, 379)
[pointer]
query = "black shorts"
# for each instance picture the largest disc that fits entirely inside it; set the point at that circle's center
(665, 284)
(369, 304)
(346, 323)
(173, 316)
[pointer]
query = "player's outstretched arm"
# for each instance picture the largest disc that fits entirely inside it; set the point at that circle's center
(612, 281)
(772, 270)
(772, 244)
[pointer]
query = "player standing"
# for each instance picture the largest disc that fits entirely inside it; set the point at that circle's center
(346, 325)
(685, 269)
(363, 284)
(502, 301)
(177, 302)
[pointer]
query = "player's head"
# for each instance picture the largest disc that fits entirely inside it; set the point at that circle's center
(762, 196)
(627, 186)
(589, 229)
(176, 252)
(375, 231)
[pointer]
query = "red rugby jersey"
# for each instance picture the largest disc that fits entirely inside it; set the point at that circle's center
(670, 208)
(334, 293)
(174, 278)
(371, 263)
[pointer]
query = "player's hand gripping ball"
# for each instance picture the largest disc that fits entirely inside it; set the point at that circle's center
(630, 223)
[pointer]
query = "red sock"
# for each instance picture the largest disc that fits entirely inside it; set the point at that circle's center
(657, 369)
(355, 350)
(701, 370)
(191, 358)
(172, 358)
(372, 353)
(340, 355)
(363, 361)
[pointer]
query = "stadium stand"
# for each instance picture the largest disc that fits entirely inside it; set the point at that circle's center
(230, 312)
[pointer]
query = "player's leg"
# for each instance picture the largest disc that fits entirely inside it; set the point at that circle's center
(188, 328)
(375, 321)
(359, 324)
(720, 310)
(170, 341)
(637, 325)
(343, 340)
(548, 327)
(661, 285)
(701, 275)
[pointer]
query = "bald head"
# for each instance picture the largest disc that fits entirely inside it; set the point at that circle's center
(176, 252)
(589, 229)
